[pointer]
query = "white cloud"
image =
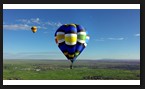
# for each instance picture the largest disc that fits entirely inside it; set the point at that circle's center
(137, 35)
(116, 38)
(20, 27)
(24, 21)
(37, 20)
(16, 27)
(54, 24)
(30, 21)
(26, 24)
(111, 38)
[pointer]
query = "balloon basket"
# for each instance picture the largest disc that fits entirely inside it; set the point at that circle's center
(71, 66)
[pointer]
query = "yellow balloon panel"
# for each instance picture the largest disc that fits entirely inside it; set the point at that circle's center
(70, 39)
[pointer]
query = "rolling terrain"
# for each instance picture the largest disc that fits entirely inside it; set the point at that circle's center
(60, 70)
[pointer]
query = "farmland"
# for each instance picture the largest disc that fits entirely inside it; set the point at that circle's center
(23, 69)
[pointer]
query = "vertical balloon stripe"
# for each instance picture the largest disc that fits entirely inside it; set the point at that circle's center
(71, 55)
(70, 29)
(82, 49)
(73, 25)
(63, 47)
(65, 53)
(81, 37)
(61, 28)
(60, 37)
(60, 33)
(70, 39)
(77, 53)
(79, 47)
(81, 33)
(80, 28)
(56, 40)
(71, 49)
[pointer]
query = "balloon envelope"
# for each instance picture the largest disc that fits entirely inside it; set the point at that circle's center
(34, 29)
(71, 39)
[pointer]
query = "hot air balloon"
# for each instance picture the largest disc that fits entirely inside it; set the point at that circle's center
(34, 29)
(71, 40)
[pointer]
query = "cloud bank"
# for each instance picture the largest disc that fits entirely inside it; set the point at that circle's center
(16, 27)
(26, 24)
(110, 38)
(121, 38)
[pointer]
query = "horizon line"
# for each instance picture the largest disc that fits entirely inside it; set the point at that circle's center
(67, 59)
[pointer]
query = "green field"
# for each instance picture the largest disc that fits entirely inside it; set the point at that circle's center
(82, 70)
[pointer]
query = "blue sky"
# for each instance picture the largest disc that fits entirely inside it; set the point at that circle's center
(114, 33)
